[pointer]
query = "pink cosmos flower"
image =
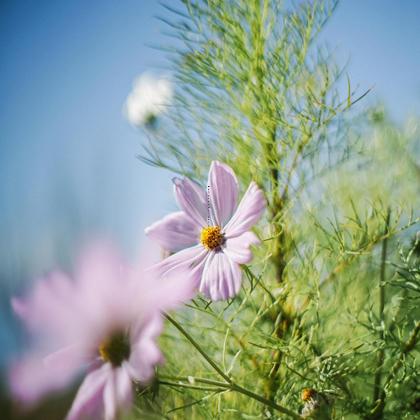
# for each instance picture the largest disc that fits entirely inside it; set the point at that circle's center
(210, 236)
(104, 323)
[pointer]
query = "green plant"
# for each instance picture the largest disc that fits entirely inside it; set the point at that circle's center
(331, 300)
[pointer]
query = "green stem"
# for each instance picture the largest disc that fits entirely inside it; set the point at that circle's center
(381, 353)
(189, 386)
(263, 400)
(198, 348)
(230, 385)
(194, 379)
(221, 386)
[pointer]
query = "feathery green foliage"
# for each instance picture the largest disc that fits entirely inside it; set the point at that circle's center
(331, 300)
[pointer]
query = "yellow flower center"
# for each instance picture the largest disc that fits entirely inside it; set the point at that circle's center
(308, 394)
(211, 237)
(115, 349)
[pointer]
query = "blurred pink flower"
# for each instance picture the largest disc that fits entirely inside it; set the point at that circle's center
(105, 323)
(210, 236)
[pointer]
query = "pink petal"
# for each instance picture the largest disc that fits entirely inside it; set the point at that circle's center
(108, 296)
(69, 360)
(118, 393)
(88, 402)
(221, 277)
(124, 388)
(186, 265)
(150, 329)
(223, 192)
(192, 199)
(99, 263)
(248, 213)
(48, 296)
(237, 248)
(145, 353)
(174, 232)
(33, 377)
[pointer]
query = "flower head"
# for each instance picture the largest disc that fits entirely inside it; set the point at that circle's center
(211, 234)
(149, 98)
(105, 323)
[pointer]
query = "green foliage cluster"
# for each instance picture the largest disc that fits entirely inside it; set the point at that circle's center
(331, 300)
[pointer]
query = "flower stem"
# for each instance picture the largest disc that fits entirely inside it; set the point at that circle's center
(381, 353)
(230, 385)
(211, 362)
(194, 379)
(263, 400)
(189, 386)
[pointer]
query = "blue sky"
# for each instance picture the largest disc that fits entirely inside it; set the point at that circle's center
(381, 39)
(67, 156)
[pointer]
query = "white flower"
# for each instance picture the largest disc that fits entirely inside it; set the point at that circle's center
(149, 98)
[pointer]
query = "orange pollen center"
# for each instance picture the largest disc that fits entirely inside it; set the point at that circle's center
(308, 394)
(211, 237)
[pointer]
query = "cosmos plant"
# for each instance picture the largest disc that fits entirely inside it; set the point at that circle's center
(289, 283)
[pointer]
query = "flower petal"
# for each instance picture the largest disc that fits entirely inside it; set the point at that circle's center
(88, 402)
(35, 375)
(118, 393)
(145, 353)
(69, 360)
(184, 266)
(237, 248)
(221, 277)
(248, 213)
(223, 192)
(192, 199)
(124, 388)
(150, 329)
(174, 232)
(110, 399)
(48, 296)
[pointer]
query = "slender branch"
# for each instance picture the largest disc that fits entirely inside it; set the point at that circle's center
(263, 400)
(193, 379)
(211, 362)
(221, 386)
(229, 383)
(190, 386)
(381, 353)
(353, 256)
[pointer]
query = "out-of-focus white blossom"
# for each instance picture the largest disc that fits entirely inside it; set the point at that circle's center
(149, 98)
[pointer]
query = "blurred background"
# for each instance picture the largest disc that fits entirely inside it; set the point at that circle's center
(68, 165)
